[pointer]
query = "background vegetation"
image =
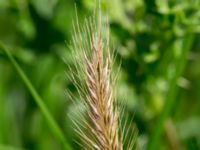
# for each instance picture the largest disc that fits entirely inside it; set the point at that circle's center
(157, 43)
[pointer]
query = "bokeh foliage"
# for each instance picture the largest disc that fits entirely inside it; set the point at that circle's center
(152, 39)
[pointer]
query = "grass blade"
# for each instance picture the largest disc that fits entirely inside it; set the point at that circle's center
(52, 123)
(154, 139)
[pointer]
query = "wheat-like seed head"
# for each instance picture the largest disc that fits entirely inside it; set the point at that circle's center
(100, 98)
(93, 78)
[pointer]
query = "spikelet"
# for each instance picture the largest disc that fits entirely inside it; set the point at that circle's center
(92, 76)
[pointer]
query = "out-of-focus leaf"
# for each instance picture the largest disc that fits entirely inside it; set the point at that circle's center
(26, 27)
(45, 8)
(8, 147)
(62, 19)
(163, 6)
(4, 4)
(189, 128)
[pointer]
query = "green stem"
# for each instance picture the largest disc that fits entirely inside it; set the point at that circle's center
(154, 139)
(52, 123)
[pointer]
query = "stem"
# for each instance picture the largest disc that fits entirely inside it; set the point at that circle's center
(171, 135)
(154, 139)
(52, 123)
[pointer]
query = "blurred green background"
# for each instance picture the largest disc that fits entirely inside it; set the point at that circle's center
(157, 43)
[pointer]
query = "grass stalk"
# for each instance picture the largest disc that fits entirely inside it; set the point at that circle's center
(171, 135)
(51, 122)
(154, 139)
(94, 79)
(96, 63)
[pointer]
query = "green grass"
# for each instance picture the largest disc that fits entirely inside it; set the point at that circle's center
(50, 120)
(154, 139)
